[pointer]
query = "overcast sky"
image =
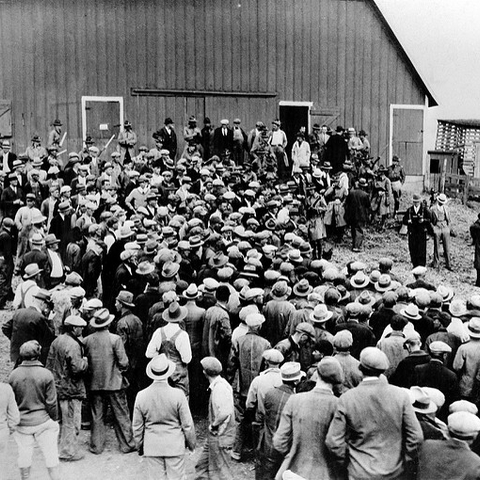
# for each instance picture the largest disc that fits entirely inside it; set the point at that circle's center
(442, 38)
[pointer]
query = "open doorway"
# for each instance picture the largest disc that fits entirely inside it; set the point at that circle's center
(294, 116)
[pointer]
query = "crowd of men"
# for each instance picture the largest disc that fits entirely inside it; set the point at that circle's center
(207, 271)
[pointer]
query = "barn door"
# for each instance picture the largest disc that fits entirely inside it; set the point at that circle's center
(102, 119)
(5, 118)
(322, 115)
(407, 137)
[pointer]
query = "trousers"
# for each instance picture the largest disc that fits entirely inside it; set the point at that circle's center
(117, 399)
(214, 462)
(71, 414)
(441, 233)
(46, 436)
(166, 468)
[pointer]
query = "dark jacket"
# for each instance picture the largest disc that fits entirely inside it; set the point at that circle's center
(357, 207)
(404, 374)
(68, 365)
(28, 324)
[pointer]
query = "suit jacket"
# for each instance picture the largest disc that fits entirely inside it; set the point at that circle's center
(374, 417)
(221, 142)
(162, 422)
(8, 197)
(301, 435)
(447, 460)
(169, 141)
(106, 360)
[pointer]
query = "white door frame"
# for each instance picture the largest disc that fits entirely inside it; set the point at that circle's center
(86, 99)
(399, 106)
(287, 103)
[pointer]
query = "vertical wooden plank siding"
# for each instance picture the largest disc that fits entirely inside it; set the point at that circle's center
(334, 53)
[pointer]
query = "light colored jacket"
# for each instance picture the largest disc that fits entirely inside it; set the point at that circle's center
(162, 421)
(372, 418)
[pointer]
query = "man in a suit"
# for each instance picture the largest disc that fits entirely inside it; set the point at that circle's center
(7, 157)
(12, 197)
(162, 423)
(222, 139)
(304, 423)
(168, 137)
(435, 374)
(373, 417)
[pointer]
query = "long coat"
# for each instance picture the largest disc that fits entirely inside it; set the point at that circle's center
(417, 224)
(301, 435)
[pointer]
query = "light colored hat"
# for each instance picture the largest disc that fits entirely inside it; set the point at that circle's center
(302, 288)
(92, 304)
(251, 293)
(126, 298)
(279, 290)
(437, 397)
(191, 292)
(458, 308)
(37, 217)
(421, 402)
(411, 312)
(374, 358)
(384, 283)
(77, 292)
(75, 321)
(442, 198)
(246, 311)
(31, 270)
(473, 327)
(273, 355)
(255, 319)
(210, 284)
(343, 339)
(160, 367)
(359, 280)
(294, 256)
(463, 424)
(463, 406)
(419, 270)
(320, 314)
(445, 292)
(291, 371)
(211, 365)
(439, 347)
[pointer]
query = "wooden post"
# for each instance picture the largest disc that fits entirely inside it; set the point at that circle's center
(442, 178)
(465, 192)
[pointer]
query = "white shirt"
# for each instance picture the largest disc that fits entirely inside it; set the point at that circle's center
(6, 169)
(182, 342)
(31, 289)
(57, 266)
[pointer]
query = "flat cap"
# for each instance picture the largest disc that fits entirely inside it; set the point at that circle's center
(343, 339)
(307, 329)
(374, 358)
(255, 319)
(75, 321)
(330, 370)
(439, 347)
(463, 424)
(273, 355)
(463, 406)
(211, 365)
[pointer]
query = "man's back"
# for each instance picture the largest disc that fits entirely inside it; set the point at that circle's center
(447, 460)
(167, 420)
(374, 429)
(106, 359)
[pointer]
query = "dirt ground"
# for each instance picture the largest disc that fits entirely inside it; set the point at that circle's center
(112, 465)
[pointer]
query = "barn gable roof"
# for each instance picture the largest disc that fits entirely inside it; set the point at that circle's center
(432, 102)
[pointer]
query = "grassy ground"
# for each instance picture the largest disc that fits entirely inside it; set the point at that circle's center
(112, 465)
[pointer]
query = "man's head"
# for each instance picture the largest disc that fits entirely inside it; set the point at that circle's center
(463, 426)
(373, 362)
(6, 146)
(330, 371)
(222, 294)
(212, 367)
(75, 325)
(30, 350)
(413, 342)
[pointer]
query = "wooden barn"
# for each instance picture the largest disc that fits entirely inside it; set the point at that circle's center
(94, 63)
